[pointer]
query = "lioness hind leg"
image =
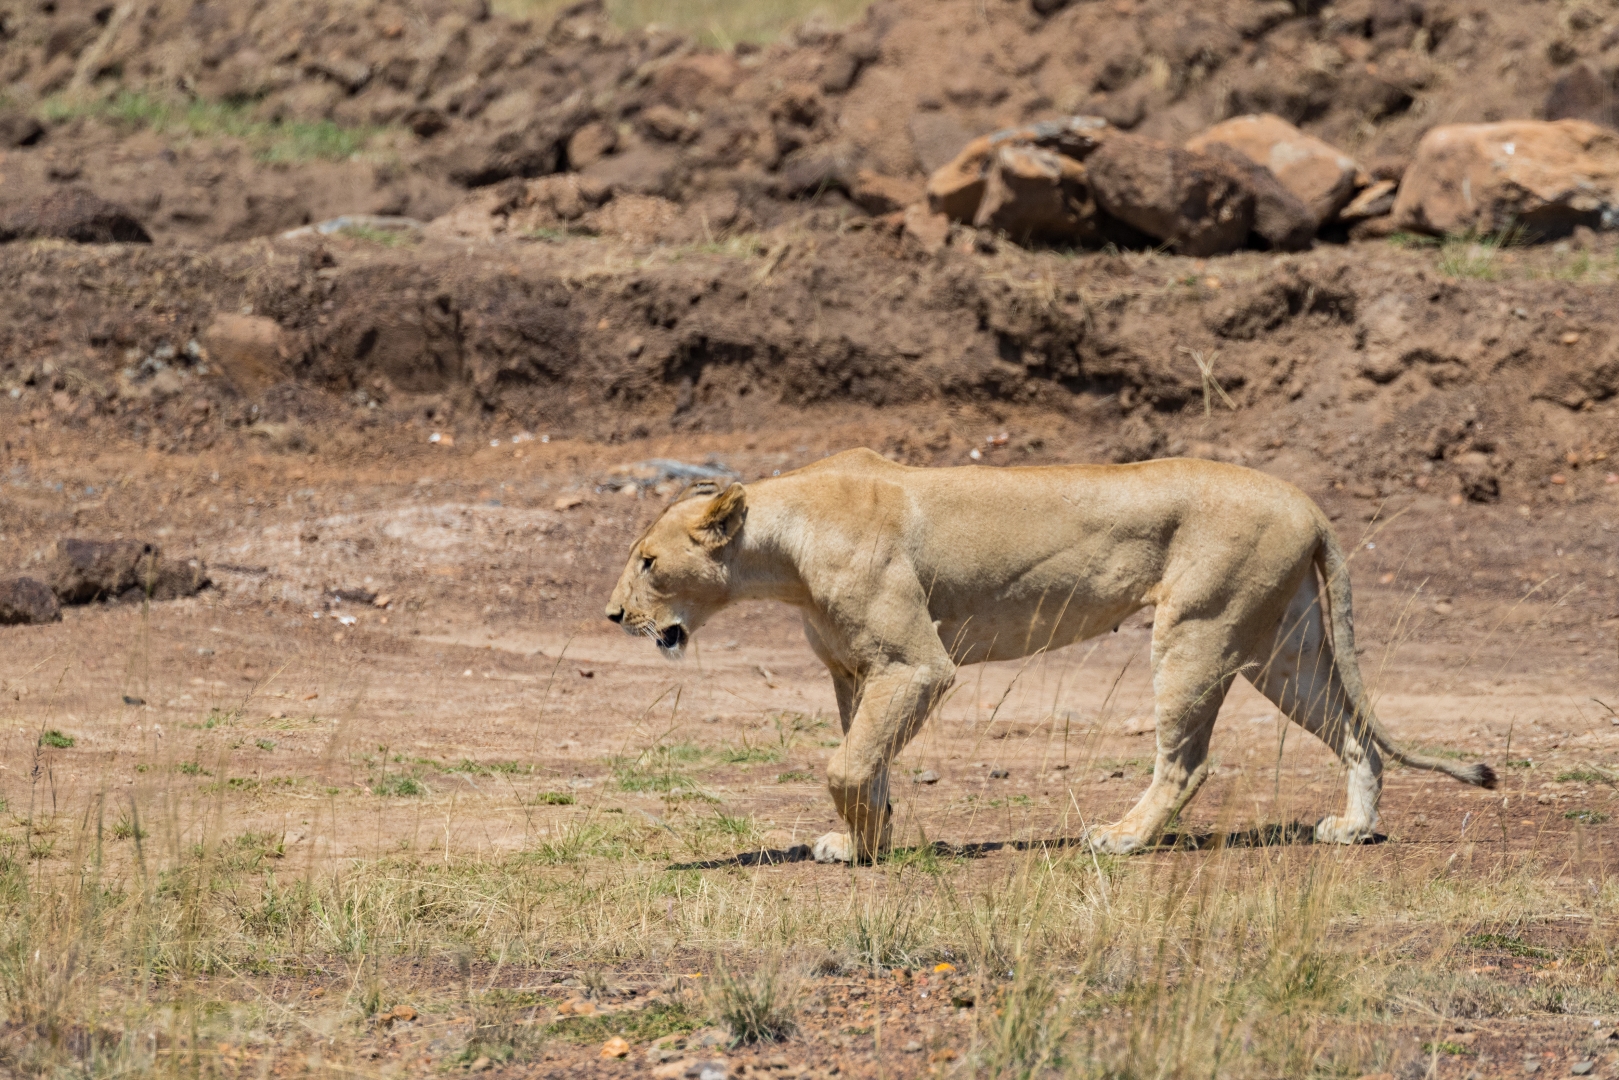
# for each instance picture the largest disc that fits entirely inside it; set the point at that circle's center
(1189, 687)
(1299, 673)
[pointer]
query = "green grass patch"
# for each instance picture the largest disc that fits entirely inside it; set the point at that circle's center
(386, 237)
(554, 798)
(127, 828)
(1521, 763)
(715, 23)
(219, 718)
(1582, 776)
(489, 768)
(749, 755)
(399, 786)
(287, 141)
(1515, 946)
(581, 841)
(1454, 1049)
(264, 744)
(1587, 817)
(55, 739)
(1467, 255)
(235, 784)
(665, 769)
(794, 776)
(638, 1026)
(192, 768)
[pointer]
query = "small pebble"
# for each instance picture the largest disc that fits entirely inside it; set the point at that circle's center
(1582, 1068)
(998, 774)
(928, 777)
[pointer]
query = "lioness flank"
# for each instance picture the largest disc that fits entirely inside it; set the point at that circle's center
(903, 574)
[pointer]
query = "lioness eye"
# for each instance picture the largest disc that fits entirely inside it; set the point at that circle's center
(646, 562)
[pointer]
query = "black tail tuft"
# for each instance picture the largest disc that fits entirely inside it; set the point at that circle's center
(1486, 776)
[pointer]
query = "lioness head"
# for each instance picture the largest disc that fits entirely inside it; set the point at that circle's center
(678, 573)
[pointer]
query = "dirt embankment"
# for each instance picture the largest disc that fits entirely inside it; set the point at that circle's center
(1384, 373)
(243, 120)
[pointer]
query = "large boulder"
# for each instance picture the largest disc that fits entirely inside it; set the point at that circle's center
(1200, 205)
(1280, 217)
(26, 602)
(82, 571)
(1320, 175)
(73, 214)
(1544, 176)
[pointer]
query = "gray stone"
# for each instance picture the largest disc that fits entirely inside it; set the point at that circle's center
(27, 602)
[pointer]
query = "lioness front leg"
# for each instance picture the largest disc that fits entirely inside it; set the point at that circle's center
(893, 704)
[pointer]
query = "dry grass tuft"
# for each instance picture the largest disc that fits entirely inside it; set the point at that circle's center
(756, 1007)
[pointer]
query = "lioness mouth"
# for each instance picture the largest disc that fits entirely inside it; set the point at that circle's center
(672, 637)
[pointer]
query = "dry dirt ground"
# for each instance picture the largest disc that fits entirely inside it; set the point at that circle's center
(595, 806)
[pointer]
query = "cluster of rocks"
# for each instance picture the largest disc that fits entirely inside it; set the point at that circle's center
(1259, 181)
(84, 571)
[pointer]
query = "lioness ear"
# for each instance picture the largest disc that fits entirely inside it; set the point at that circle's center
(721, 518)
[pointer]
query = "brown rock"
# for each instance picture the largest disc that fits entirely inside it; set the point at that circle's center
(818, 168)
(927, 230)
(248, 349)
(1480, 482)
(1321, 176)
(667, 123)
(642, 219)
(696, 81)
(425, 121)
(85, 570)
(616, 1047)
(82, 571)
(19, 128)
(877, 194)
(640, 170)
(1374, 228)
(1375, 200)
(560, 197)
(27, 602)
(590, 144)
(1035, 194)
(1191, 200)
(74, 214)
(1280, 217)
(1545, 176)
(957, 187)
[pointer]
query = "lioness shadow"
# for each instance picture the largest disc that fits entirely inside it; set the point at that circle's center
(1261, 836)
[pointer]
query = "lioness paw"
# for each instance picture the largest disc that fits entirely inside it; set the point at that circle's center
(1113, 841)
(833, 847)
(1336, 830)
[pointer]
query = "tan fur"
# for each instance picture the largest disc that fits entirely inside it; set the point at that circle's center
(904, 574)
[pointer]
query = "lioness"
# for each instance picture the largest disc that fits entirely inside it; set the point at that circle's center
(902, 574)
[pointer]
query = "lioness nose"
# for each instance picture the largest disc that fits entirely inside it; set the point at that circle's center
(616, 614)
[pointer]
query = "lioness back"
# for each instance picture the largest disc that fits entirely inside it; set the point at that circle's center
(1020, 550)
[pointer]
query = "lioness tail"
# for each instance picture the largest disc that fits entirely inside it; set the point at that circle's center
(1334, 569)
